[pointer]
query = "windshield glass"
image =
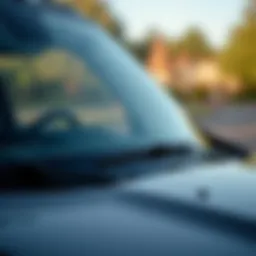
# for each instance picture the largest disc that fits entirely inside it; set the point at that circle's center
(76, 84)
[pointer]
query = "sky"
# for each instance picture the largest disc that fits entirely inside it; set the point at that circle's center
(173, 17)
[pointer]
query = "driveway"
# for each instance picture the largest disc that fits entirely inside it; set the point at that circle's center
(235, 122)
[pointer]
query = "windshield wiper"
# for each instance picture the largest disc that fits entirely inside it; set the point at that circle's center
(154, 152)
(33, 179)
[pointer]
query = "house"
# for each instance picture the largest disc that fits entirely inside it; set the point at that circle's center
(187, 74)
(159, 63)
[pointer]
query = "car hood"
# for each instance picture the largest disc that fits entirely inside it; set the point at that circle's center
(226, 187)
(163, 214)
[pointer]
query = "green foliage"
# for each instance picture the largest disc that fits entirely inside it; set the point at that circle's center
(23, 78)
(140, 49)
(200, 94)
(239, 56)
(194, 43)
(248, 94)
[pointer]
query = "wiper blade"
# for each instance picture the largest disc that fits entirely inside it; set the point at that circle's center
(163, 150)
(154, 152)
(34, 177)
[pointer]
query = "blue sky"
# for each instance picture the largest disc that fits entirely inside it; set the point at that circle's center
(172, 17)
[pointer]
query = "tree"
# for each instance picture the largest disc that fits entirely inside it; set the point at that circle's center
(98, 11)
(239, 56)
(194, 43)
(141, 48)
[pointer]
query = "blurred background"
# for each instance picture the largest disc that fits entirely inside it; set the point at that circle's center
(202, 51)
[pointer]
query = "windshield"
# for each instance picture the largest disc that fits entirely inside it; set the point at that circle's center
(75, 86)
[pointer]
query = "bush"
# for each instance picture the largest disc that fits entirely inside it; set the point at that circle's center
(201, 94)
(248, 94)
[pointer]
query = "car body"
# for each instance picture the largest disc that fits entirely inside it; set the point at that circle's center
(96, 160)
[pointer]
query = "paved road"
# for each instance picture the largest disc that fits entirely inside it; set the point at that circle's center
(236, 123)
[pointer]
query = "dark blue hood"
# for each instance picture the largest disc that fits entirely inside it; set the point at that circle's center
(228, 187)
(204, 210)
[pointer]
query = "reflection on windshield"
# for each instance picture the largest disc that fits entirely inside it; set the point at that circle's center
(56, 79)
